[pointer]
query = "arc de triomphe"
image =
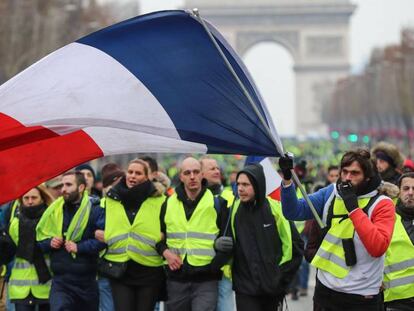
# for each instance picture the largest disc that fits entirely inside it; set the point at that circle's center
(315, 32)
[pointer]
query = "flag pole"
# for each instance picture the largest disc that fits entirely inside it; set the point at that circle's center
(262, 120)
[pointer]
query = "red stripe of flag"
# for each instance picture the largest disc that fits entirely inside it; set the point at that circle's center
(32, 155)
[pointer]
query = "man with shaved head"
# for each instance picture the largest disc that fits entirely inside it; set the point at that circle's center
(192, 223)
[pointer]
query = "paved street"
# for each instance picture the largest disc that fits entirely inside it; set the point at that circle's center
(304, 303)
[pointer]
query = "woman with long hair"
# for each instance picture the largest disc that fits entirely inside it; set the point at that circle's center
(29, 283)
(132, 229)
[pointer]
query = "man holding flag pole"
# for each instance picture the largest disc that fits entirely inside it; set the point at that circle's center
(360, 221)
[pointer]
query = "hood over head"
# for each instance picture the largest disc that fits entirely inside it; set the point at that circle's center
(256, 176)
(388, 152)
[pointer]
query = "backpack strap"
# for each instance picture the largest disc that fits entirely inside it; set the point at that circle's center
(217, 205)
(370, 203)
(330, 214)
(365, 210)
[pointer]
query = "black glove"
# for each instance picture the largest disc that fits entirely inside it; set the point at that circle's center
(286, 165)
(347, 193)
(224, 244)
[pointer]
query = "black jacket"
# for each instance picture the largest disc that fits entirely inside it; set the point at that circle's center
(188, 272)
(258, 247)
(391, 175)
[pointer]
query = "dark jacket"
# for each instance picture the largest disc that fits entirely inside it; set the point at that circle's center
(258, 247)
(188, 272)
(407, 219)
(7, 247)
(3, 212)
(6, 214)
(390, 175)
(84, 265)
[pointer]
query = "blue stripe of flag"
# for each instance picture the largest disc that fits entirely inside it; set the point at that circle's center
(171, 54)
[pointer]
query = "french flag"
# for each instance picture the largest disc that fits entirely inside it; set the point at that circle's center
(273, 179)
(154, 83)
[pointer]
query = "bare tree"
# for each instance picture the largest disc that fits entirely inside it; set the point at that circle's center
(380, 101)
(30, 29)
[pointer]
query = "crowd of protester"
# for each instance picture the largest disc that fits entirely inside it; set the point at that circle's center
(198, 236)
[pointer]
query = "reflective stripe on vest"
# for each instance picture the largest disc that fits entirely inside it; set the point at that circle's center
(399, 265)
(133, 249)
(27, 265)
(27, 283)
(282, 226)
(194, 238)
(195, 235)
(330, 256)
(23, 278)
(134, 236)
(194, 251)
(75, 233)
(51, 223)
(136, 241)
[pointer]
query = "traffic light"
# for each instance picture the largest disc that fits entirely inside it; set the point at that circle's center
(353, 138)
(365, 139)
(335, 134)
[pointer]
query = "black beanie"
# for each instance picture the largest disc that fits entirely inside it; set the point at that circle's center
(86, 167)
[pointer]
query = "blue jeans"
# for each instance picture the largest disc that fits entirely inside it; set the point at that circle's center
(304, 268)
(9, 305)
(68, 293)
(225, 299)
(304, 274)
(106, 302)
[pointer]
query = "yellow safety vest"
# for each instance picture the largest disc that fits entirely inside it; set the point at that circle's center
(330, 256)
(23, 278)
(399, 265)
(194, 238)
(136, 241)
(51, 223)
(300, 224)
(282, 225)
(14, 208)
(228, 195)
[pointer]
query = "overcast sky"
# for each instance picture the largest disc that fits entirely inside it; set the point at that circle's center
(375, 23)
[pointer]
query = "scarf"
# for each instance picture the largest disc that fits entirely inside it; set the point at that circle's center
(27, 247)
(405, 213)
(369, 185)
(132, 198)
